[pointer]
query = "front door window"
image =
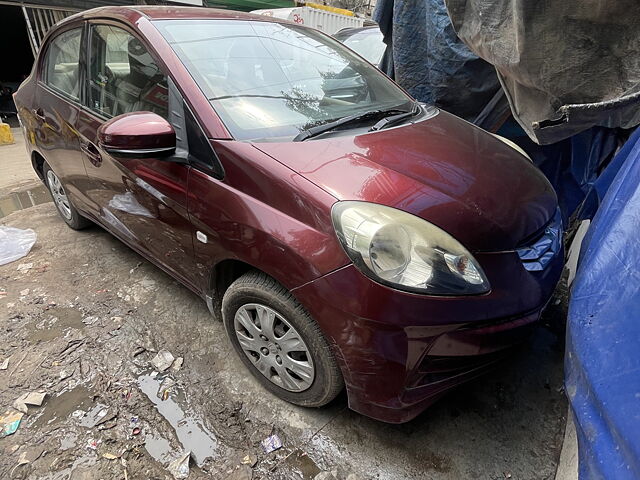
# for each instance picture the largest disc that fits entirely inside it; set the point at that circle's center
(123, 77)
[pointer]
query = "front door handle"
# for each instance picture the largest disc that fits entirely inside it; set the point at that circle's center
(92, 153)
(39, 114)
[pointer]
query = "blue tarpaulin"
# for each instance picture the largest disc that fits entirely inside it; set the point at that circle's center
(602, 362)
(426, 57)
(573, 165)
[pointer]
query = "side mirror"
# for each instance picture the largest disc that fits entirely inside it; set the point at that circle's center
(137, 135)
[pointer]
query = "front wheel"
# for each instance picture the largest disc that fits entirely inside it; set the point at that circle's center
(65, 208)
(279, 342)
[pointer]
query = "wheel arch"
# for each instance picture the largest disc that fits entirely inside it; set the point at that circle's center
(38, 161)
(222, 275)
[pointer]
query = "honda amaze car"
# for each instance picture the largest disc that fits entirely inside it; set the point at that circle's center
(346, 235)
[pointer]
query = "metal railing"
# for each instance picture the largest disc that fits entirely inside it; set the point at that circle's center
(39, 20)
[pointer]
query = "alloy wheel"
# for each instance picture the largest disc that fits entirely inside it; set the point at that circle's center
(59, 194)
(274, 347)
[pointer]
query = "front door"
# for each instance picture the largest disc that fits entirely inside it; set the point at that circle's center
(143, 201)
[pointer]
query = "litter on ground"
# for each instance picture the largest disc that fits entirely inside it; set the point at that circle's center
(162, 360)
(179, 468)
(271, 443)
(16, 243)
(9, 422)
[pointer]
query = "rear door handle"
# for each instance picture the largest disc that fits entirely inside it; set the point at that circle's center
(91, 151)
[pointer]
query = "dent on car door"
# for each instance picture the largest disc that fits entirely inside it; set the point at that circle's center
(141, 200)
(56, 110)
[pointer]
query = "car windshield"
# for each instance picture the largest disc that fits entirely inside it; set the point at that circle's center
(367, 42)
(270, 80)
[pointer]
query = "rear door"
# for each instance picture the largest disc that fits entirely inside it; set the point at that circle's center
(57, 109)
(143, 201)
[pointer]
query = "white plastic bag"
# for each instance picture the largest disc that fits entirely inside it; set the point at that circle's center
(15, 243)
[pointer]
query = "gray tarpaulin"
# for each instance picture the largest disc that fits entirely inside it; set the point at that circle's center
(566, 65)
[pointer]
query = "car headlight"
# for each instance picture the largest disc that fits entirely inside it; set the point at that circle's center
(403, 251)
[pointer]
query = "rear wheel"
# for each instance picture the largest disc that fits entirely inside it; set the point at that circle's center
(279, 342)
(65, 208)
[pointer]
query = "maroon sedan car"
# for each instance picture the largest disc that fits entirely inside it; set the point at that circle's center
(345, 234)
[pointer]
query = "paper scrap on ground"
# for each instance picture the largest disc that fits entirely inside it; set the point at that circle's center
(9, 422)
(162, 360)
(271, 443)
(31, 398)
(179, 468)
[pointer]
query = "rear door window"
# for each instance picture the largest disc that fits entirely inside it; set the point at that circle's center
(62, 63)
(123, 77)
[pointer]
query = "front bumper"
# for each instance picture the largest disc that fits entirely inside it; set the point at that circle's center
(399, 352)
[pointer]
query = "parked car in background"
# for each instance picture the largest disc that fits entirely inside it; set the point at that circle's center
(345, 234)
(365, 41)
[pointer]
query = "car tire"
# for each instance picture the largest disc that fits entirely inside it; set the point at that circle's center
(63, 204)
(301, 369)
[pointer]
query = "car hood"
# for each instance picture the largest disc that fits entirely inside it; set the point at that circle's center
(442, 169)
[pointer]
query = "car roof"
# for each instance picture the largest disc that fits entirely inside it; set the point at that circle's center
(134, 13)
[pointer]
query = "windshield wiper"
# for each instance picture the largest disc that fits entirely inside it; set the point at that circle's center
(326, 127)
(393, 119)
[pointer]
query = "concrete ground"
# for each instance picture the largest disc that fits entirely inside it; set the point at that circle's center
(15, 171)
(83, 316)
(568, 464)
